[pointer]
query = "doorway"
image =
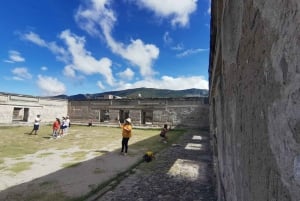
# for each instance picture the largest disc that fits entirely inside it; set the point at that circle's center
(123, 114)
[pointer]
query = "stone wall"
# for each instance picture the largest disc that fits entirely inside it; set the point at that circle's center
(255, 99)
(192, 112)
(16, 108)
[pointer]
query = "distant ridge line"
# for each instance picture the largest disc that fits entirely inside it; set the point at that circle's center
(140, 93)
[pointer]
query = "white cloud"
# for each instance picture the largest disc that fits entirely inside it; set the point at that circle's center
(75, 56)
(179, 10)
(21, 74)
(95, 13)
(44, 68)
(34, 38)
(100, 85)
(60, 52)
(83, 61)
(69, 71)
(167, 82)
(209, 7)
(167, 38)
(98, 16)
(178, 47)
(14, 56)
(127, 74)
(139, 54)
(8, 61)
(50, 86)
(190, 52)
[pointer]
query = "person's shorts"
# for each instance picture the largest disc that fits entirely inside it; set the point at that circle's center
(162, 135)
(63, 127)
(36, 127)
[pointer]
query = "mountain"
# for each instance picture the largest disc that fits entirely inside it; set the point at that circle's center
(140, 93)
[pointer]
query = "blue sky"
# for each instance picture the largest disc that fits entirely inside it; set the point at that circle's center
(52, 47)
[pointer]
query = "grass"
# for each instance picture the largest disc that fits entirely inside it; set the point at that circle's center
(19, 167)
(42, 155)
(17, 143)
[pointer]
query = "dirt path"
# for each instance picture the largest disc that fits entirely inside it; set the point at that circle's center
(47, 179)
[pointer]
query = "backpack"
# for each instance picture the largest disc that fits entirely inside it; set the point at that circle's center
(149, 156)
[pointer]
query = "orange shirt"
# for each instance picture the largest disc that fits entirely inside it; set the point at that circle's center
(126, 130)
(55, 125)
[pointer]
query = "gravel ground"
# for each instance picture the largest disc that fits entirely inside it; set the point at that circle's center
(183, 171)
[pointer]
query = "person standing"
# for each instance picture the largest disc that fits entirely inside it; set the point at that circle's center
(68, 124)
(163, 133)
(55, 127)
(126, 135)
(90, 124)
(63, 126)
(36, 124)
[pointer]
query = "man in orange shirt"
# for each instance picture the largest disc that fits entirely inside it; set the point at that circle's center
(126, 134)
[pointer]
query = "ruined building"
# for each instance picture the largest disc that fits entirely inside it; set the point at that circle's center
(176, 112)
(255, 99)
(17, 108)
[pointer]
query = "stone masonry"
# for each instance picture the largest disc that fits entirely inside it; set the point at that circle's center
(179, 112)
(16, 108)
(255, 99)
(176, 112)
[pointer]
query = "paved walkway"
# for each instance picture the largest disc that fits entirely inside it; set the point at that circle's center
(183, 172)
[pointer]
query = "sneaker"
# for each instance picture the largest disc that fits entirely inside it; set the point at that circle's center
(125, 154)
(165, 142)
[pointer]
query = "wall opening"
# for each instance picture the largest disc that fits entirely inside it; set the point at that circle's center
(147, 117)
(20, 114)
(104, 116)
(123, 114)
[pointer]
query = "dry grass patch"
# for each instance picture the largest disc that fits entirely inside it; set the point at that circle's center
(42, 155)
(80, 144)
(16, 141)
(19, 167)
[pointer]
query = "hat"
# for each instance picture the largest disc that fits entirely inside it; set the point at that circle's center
(128, 120)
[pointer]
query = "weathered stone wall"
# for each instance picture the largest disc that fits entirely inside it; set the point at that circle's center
(30, 106)
(192, 112)
(255, 99)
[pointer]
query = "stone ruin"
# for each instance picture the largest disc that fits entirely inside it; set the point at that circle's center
(255, 99)
(22, 109)
(150, 112)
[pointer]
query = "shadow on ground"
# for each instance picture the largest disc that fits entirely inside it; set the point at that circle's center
(84, 180)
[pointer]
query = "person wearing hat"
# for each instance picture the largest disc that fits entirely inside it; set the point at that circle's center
(126, 134)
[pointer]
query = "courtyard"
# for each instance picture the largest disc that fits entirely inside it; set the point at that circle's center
(38, 167)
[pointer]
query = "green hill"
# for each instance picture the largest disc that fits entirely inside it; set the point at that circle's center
(141, 93)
